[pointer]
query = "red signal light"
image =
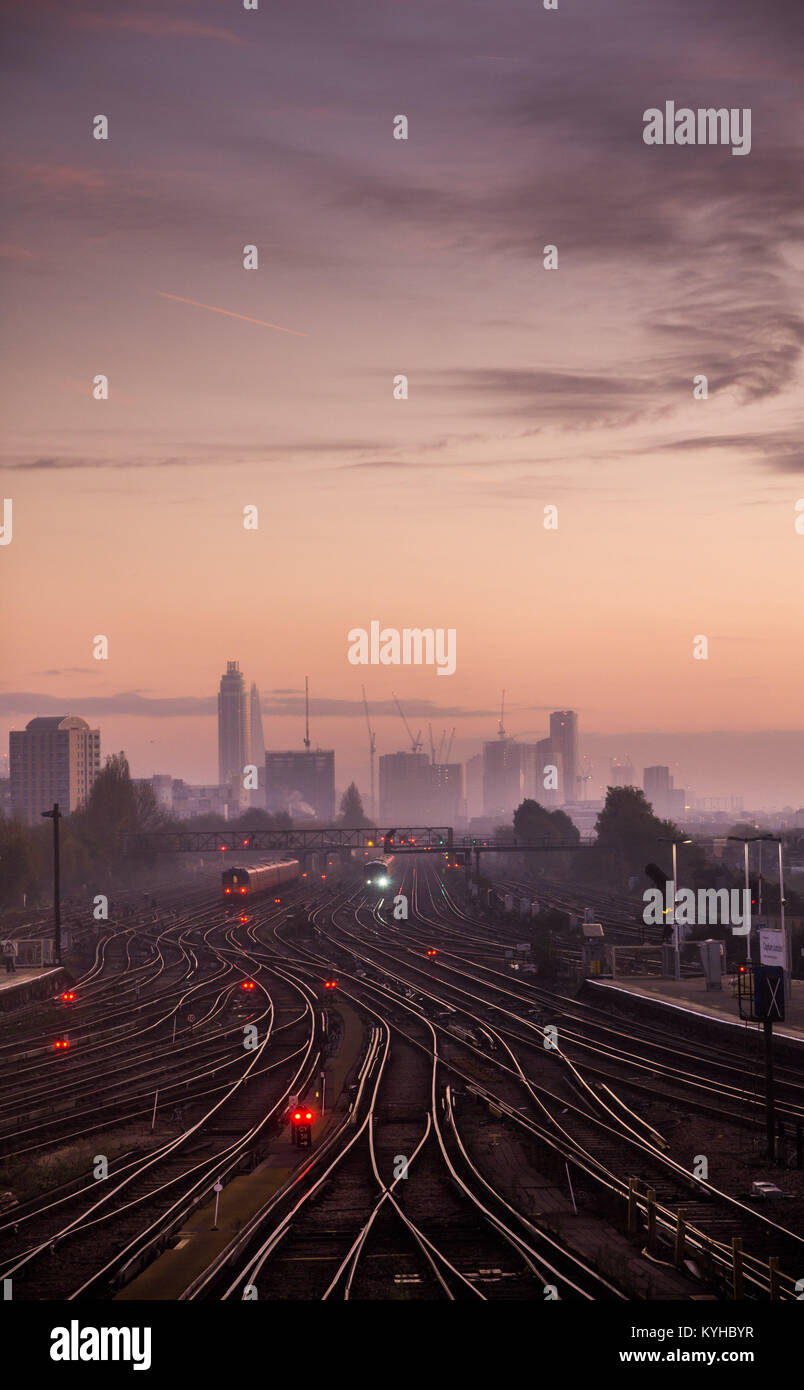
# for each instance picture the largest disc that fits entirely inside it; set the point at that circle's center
(68, 996)
(61, 1044)
(243, 917)
(323, 875)
(245, 844)
(227, 890)
(221, 848)
(308, 1116)
(432, 953)
(277, 900)
(248, 984)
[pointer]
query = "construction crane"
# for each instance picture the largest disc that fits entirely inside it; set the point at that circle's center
(449, 745)
(307, 713)
(432, 745)
(415, 743)
(372, 748)
(501, 728)
(441, 744)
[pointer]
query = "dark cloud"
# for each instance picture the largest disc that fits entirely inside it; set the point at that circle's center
(277, 704)
(782, 453)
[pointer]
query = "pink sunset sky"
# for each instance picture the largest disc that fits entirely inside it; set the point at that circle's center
(423, 257)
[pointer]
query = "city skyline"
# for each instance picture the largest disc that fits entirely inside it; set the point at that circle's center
(187, 724)
(593, 751)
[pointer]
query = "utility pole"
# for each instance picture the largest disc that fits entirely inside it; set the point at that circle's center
(678, 840)
(786, 940)
(746, 840)
(55, 816)
(770, 1116)
(307, 713)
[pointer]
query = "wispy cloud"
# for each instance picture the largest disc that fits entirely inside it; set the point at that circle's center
(153, 26)
(213, 309)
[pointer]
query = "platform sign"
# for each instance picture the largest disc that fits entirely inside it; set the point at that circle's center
(769, 993)
(771, 947)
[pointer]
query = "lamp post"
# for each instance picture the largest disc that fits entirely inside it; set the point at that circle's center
(746, 840)
(787, 944)
(55, 816)
(675, 842)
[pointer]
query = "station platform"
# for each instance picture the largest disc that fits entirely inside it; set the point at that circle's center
(29, 982)
(691, 996)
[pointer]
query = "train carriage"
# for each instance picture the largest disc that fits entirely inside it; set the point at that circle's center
(246, 881)
(378, 874)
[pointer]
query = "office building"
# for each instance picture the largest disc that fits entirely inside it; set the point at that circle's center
(234, 734)
(301, 783)
(474, 785)
(502, 777)
(667, 800)
(564, 738)
(257, 755)
(542, 773)
(405, 789)
(621, 773)
(255, 721)
(53, 759)
(446, 793)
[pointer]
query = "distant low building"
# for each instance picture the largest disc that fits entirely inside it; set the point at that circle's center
(190, 801)
(583, 815)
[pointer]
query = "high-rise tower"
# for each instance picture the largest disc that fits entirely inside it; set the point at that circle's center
(564, 737)
(257, 739)
(234, 732)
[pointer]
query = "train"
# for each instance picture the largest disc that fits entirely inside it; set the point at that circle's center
(249, 880)
(378, 873)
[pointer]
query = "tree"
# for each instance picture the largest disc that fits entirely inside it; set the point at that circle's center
(116, 807)
(534, 823)
(628, 831)
(24, 862)
(352, 816)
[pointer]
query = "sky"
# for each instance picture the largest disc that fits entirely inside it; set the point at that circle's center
(527, 387)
